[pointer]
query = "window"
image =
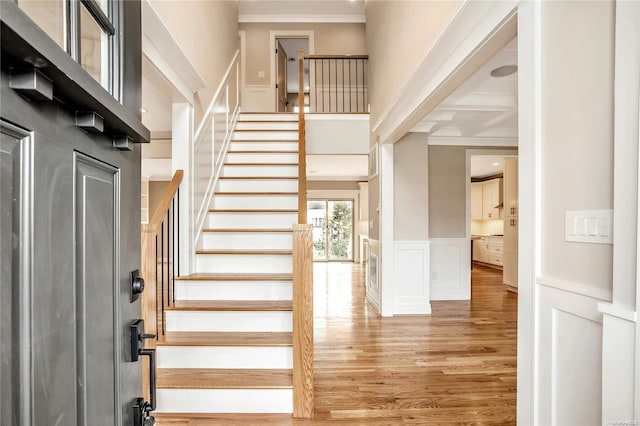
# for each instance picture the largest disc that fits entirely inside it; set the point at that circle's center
(86, 30)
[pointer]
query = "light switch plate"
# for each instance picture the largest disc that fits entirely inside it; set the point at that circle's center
(589, 226)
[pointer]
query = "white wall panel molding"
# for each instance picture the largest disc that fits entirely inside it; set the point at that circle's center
(569, 345)
(449, 270)
(257, 98)
(577, 288)
(411, 266)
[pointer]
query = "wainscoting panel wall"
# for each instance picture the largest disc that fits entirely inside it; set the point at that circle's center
(258, 98)
(411, 277)
(373, 274)
(450, 266)
(569, 356)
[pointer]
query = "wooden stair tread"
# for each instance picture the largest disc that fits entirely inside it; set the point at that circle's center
(258, 178)
(237, 277)
(231, 305)
(213, 338)
(253, 211)
(267, 121)
(204, 378)
(256, 193)
(246, 251)
(265, 230)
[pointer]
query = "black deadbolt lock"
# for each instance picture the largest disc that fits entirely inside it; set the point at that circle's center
(137, 285)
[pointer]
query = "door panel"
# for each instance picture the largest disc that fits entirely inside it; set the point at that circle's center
(85, 241)
(282, 79)
(97, 298)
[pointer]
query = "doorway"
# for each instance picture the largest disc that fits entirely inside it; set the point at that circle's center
(287, 72)
(332, 221)
(284, 66)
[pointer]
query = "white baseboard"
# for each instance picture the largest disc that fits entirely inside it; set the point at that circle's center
(411, 277)
(450, 269)
(257, 98)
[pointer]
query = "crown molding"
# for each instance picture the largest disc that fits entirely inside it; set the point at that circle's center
(342, 19)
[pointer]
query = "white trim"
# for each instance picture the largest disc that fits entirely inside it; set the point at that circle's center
(618, 311)
(387, 284)
(157, 42)
(374, 251)
(529, 199)
(273, 35)
(473, 141)
(152, 54)
(478, 31)
(414, 274)
(345, 19)
(573, 287)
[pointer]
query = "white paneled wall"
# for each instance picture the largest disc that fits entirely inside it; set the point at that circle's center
(411, 270)
(449, 269)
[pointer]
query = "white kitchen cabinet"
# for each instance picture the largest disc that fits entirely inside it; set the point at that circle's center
(488, 250)
(476, 201)
(491, 199)
(486, 200)
(510, 275)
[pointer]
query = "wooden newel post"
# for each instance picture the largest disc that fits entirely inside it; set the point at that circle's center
(303, 398)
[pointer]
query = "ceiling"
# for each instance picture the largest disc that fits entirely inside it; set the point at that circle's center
(487, 165)
(301, 11)
(483, 111)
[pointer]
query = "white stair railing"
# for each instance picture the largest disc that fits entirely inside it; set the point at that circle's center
(211, 143)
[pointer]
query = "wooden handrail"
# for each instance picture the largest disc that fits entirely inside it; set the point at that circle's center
(337, 57)
(165, 202)
(302, 148)
(148, 268)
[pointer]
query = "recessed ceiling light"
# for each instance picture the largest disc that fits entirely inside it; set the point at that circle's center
(495, 164)
(143, 110)
(504, 71)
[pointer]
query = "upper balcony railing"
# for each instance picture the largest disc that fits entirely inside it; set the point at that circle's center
(337, 83)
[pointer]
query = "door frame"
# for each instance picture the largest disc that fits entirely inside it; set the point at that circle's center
(273, 36)
(353, 228)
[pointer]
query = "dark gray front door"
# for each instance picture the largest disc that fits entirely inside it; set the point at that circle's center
(69, 238)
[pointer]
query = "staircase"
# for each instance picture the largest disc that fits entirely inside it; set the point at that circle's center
(228, 341)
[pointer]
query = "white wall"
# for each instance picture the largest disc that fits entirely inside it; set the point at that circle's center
(207, 33)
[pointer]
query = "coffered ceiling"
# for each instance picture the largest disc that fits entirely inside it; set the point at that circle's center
(483, 111)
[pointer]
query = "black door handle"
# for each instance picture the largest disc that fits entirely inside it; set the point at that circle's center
(142, 408)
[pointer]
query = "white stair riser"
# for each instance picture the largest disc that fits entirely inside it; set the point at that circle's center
(279, 157)
(255, 185)
(268, 202)
(225, 400)
(232, 321)
(233, 290)
(252, 220)
(263, 146)
(237, 263)
(247, 240)
(229, 170)
(286, 135)
(266, 125)
(268, 117)
(225, 357)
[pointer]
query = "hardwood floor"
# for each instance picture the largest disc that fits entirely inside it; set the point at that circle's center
(456, 366)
